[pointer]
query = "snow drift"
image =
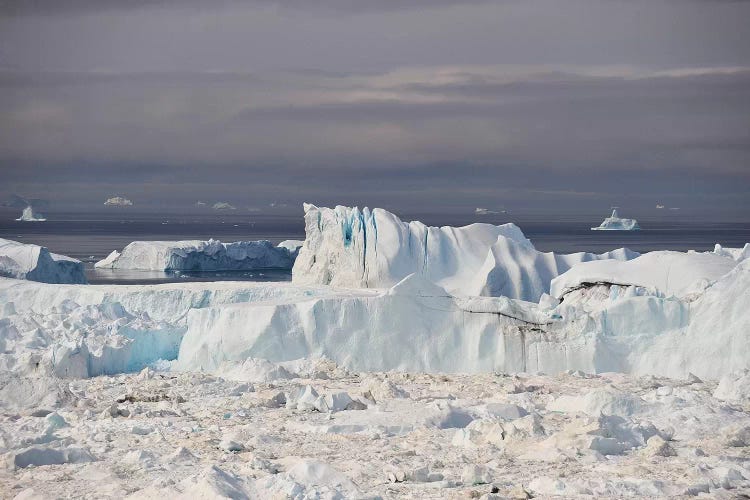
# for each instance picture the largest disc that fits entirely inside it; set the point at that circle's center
(211, 255)
(374, 249)
(37, 263)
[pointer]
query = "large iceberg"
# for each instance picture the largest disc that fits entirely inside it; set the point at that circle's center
(599, 326)
(418, 326)
(37, 263)
(362, 248)
(29, 215)
(211, 255)
(615, 223)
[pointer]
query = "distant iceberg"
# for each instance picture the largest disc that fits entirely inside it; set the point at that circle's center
(222, 205)
(29, 215)
(487, 211)
(211, 255)
(119, 201)
(615, 223)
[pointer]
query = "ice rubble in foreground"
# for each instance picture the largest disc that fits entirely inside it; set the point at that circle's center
(29, 215)
(211, 255)
(37, 263)
(278, 390)
(350, 247)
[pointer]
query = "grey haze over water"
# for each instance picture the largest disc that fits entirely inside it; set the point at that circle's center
(417, 106)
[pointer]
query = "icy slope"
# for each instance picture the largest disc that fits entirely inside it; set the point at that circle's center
(208, 255)
(36, 263)
(362, 248)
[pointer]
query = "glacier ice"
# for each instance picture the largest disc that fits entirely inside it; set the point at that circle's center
(211, 255)
(615, 223)
(37, 263)
(362, 248)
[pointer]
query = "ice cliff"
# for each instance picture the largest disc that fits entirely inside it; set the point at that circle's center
(37, 263)
(362, 248)
(418, 326)
(211, 255)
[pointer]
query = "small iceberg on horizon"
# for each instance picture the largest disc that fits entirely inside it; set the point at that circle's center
(615, 223)
(28, 215)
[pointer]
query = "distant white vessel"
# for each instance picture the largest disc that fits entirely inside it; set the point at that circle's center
(615, 223)
(28, 215)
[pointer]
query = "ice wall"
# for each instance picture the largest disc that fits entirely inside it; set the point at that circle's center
(37, 263)
(417, 326)
(362, 248)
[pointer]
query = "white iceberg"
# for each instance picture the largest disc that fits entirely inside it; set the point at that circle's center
(119, 201)
(361, 248)
(211, 255)
(28, 215)
(485, 211)
(37, 263)
(417, 326)
(222, 205)
(615, 223)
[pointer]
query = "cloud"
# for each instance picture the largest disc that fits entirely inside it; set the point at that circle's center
(267, 101)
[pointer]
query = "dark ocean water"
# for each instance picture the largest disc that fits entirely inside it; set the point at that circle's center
(90, 237)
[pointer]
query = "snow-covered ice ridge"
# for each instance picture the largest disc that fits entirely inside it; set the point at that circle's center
(361, 248)
(211, 255)
(37, 263)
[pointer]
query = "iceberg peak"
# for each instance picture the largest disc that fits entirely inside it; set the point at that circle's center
(29, 215)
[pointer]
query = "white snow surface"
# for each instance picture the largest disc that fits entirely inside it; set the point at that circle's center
(37, 263)
(663, 272)
(374, 249)
(211, 255)
(615, 223)
(29, 215)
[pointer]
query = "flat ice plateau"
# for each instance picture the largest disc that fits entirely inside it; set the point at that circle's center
(385, 370)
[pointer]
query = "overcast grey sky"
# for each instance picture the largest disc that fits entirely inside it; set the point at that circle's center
(429, 104)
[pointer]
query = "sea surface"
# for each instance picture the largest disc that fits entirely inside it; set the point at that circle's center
(91, 237)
